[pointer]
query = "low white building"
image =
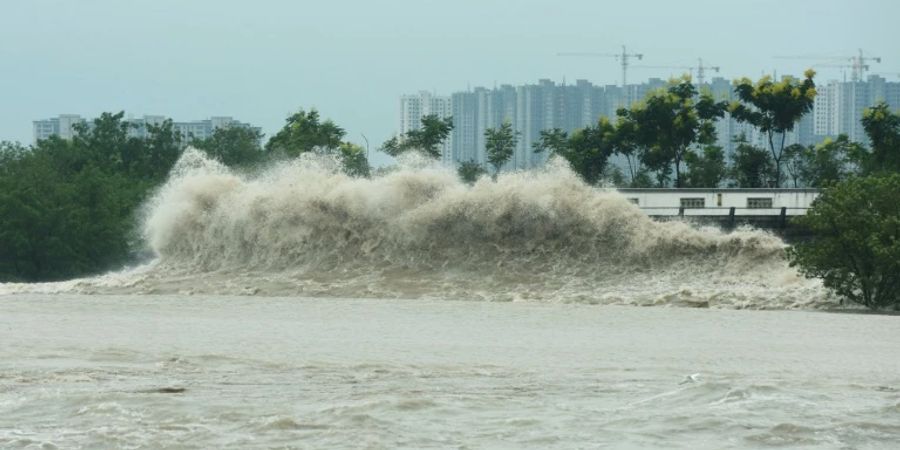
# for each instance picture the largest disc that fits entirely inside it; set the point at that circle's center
(722, 202)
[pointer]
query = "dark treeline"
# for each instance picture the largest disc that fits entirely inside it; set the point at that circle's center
(70, 207)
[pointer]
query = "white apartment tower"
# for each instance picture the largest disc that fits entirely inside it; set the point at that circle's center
(414, 107)
(62, 126)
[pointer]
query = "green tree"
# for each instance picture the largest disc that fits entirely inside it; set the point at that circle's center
(856, 250)
(10, 152)
(161, 148)
(553, 141)
(752, 166)
(500, 143)
(427, 139)
(883, 129)
(234, 146)
(353, 158)
(820, 165)
(668, 122)
(614, 176)
(67, 206)
(306, 132)
(625, 145)
(705, 170)
(774, 108)
(470, 171)
(587, 150)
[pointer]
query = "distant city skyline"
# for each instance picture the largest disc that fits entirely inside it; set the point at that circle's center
(63, 125)
(352, 60)
(534, 107)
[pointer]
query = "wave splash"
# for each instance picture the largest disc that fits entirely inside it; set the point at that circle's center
(304, 228)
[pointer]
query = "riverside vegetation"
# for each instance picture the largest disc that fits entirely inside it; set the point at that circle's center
(69, 207)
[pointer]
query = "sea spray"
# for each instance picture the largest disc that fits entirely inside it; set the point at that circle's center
(302, 227)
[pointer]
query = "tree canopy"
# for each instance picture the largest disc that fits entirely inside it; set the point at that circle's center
(856, 250)
(67, 207)
(668, 122)
(500, 143)
(427, 138)
(774, 108)
(233, 146)
(306, 132)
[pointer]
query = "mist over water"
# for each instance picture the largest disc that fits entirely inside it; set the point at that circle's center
(304, 228)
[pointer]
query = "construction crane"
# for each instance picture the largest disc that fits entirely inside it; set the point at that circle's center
(858, 63)
(700, 69)
(852, 67)
(623, 58)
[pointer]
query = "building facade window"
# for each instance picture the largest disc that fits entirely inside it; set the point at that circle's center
(633, 201)
(759, 203)
(693, 202)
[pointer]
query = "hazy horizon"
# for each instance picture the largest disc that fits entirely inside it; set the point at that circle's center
(352, 60)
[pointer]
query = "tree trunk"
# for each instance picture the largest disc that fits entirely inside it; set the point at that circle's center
(775, 158)
(630, 167)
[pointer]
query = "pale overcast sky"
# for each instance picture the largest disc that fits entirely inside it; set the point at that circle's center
(260, 60)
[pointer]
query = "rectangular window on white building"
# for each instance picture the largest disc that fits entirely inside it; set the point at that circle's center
(693, 202)
(759, 203)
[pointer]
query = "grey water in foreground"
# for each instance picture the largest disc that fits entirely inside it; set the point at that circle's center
(298, 307)
(174, 371)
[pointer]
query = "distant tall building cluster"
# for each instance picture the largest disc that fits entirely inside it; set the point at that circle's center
(64, 126)
(534, 107)
(839, 105)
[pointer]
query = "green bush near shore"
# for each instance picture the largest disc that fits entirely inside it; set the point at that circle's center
(856, 249)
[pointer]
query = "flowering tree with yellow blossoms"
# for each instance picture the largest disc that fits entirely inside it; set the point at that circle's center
(774, 108)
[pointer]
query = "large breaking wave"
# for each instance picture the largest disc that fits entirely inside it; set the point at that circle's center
(304, 228)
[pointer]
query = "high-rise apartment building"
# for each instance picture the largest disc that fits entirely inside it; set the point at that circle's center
(839, 106)
(414, 107)
(532, 108)
(64, 126)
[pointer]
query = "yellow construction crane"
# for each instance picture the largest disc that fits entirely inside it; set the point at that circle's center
(623, 58)
(859, 63)
(700, 69)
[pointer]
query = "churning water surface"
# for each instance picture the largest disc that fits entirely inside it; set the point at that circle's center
(247, 372)
(298, 307)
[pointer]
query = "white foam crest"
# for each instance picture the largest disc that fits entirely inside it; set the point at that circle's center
(303, 227)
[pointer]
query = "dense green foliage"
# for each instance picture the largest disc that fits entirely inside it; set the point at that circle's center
(883, 129)
(856, 250)
(820, 165)
(470, 171)
(706, 169)
(752, 167)
(668, 122)
(426, 139)
(500, 144)
(353, 159)
(856, 220)
(774, 108)
(67, 208)
(233, 146)
(305, 132)
(587, 150)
